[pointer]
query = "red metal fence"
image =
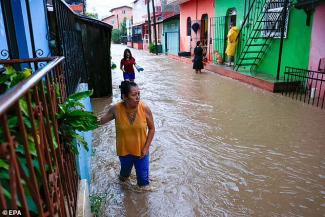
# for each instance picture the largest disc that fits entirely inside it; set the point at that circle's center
(38, 174)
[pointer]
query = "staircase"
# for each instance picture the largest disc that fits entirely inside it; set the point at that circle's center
(263, 22)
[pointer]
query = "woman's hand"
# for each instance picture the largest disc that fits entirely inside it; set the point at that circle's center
(144, 151)
(108, 116)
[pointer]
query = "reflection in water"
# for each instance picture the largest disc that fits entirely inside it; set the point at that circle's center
(222, 148)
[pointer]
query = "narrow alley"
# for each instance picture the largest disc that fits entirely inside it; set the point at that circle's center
(221, 148)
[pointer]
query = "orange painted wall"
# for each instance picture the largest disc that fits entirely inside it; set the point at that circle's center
(194, 9)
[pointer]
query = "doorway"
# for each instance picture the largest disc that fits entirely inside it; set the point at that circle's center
(204, 29)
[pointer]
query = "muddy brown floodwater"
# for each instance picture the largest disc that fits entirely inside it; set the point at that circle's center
(222, 148)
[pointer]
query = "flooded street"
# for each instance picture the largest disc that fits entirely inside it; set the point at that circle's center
(221, 148)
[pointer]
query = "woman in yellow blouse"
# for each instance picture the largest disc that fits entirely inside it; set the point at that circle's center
(135, 130)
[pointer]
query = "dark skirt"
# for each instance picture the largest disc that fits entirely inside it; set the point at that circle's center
(198, 63)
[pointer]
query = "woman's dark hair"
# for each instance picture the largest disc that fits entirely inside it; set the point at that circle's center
(126, 87)
(198, 43)
(125, 51)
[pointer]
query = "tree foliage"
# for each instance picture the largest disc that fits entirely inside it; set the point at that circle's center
(116, 36)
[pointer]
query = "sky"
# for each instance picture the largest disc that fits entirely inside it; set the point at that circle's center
(102, 7)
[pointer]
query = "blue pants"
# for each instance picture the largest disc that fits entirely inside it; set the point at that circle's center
(129, 76)
(141, 168)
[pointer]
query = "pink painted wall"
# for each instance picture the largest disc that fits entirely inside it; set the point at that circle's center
(119, 15)
(194, 9)
(111, 21)
(317, 48)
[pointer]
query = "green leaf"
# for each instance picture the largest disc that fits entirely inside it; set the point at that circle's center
(57, 90)
(55, 143)
(13, 122)
(4, 78)
(31, 147)
(4, 164)
(23, 106)
(80, 95)
(81, 140)
(4, 175)
(23, 163)
(31, 204)
(10, 70)
(6, 193)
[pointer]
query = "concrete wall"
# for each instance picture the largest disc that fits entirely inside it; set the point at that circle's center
(317, 47)
(193, 9)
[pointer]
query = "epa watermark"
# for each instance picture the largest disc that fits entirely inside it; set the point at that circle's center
(11, 212)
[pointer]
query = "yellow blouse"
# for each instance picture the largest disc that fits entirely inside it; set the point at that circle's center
(130, 138)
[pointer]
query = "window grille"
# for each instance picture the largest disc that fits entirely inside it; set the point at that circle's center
(273, 17)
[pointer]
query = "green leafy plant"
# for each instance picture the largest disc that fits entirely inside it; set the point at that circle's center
(152, 48)
(113, 66)
(116, 36)
(72, 117)
(96, 202)
(10, 77)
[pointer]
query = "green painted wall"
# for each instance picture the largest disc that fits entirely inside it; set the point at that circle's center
(296, 46)
(170, 26)
(222, 6)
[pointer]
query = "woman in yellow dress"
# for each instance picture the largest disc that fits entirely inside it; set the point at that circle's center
(231, 43)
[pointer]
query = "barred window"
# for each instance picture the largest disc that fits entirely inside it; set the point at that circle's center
(273, 18)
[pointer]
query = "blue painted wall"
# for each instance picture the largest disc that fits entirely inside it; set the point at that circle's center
(3, 38)
(171, 34)
(84, 158)
(40, 28)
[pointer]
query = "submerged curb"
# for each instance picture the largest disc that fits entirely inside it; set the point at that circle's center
(83, 204)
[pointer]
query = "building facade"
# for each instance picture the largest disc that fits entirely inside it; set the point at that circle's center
(170, 37)
(139, 27)
(118, 16)
(194, 23)
(262, 35)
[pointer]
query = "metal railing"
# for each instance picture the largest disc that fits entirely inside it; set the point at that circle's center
(86, 45)
(305, 85)
(218, 35)
(38, 170)
(262, 23)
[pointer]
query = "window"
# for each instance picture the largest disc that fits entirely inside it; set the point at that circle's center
(123, 12)
(188, 28)
(113, 22)
(272, 20)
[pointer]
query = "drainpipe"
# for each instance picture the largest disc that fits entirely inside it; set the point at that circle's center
(283, 23)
